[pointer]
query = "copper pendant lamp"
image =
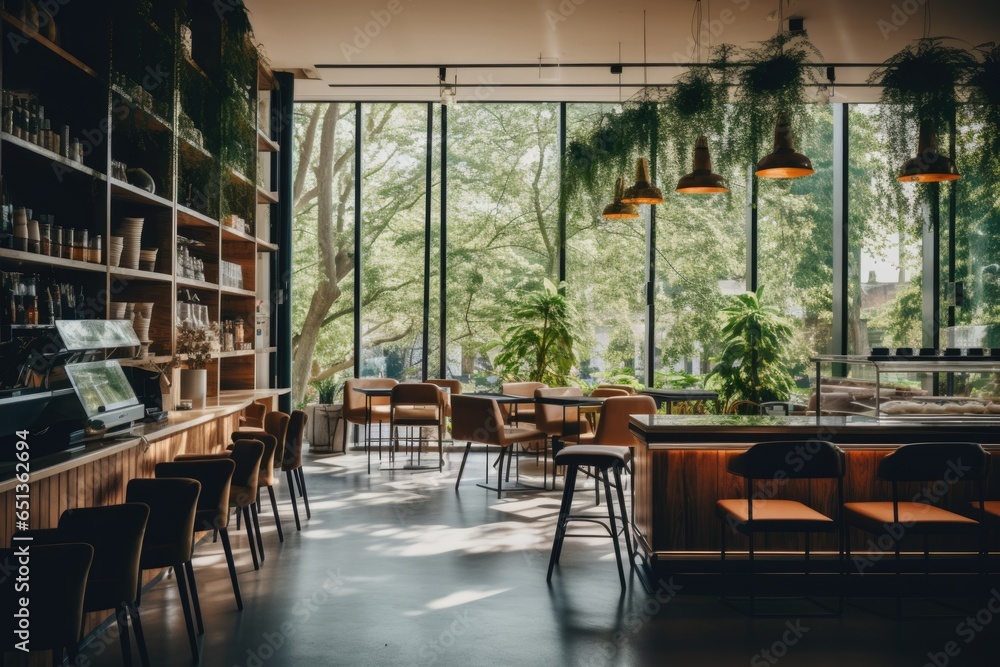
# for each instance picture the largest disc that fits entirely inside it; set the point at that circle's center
(618, 210)
(929, 166)
(701, 180)
(784, 161)
(643, 191)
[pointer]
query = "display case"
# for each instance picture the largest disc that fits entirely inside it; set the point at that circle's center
(968, 390)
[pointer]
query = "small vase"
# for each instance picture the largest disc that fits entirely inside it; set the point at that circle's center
(140, 178)
(194, 386)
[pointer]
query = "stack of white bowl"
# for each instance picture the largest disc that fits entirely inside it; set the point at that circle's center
(147, 259)
(131, 231)
(115, 247)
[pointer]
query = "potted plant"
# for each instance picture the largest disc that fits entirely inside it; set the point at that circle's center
(194, 350)
(326, 417)
(751, 367)
(539, 346)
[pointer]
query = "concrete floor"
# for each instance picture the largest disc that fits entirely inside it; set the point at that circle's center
(398, 569)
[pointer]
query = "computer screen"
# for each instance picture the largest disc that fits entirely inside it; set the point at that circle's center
(101, 386)
(96, 334)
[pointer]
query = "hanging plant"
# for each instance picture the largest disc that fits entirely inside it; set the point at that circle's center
(238, 84)
(594, 161)
(920, 85)
(984, 95)
(696, 105)
(772, 82)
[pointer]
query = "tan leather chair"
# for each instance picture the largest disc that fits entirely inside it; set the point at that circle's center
(454, 388)
(356, 407)
(613, 426)
(416, 405)
(525, 412)
(479, 419)
(620, 387)
(607, 392)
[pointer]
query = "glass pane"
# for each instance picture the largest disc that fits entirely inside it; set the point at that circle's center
(393, 191)
(322, 246)
(503, 195)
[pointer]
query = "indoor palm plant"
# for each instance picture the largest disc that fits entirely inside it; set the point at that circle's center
(539, 346)
(752, 367)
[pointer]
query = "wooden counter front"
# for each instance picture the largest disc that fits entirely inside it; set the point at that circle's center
(680, 473)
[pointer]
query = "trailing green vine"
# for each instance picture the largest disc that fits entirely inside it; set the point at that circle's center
(984, 96)
(773, 82)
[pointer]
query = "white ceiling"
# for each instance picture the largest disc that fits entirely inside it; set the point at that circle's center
(301, 34)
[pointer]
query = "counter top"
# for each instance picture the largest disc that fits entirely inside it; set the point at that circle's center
(737, 431)
(177, 421)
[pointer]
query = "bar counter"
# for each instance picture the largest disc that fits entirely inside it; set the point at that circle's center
(680, 472)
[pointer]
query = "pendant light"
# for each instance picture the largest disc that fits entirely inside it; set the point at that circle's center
(929, 166)
(784, 161)
(618, 210)
(701, 180)
(643, 191)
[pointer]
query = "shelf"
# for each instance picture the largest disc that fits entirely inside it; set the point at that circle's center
(119, 272)
(145, 118)
(236, 235)
(126, 192)
(35, 36)
(196, 284)
(265, 197)
(156, 359)
(265, 144)
(239, 179)
(235, 291)
(236, 353)
(50, 156)
(266, 246)
(191, 150)
(266, 350)
(45, 260)
(187, 217)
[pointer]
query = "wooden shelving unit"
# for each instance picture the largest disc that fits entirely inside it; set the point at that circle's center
(155, 128)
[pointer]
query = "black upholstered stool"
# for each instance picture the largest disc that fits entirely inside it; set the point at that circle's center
(603, 459)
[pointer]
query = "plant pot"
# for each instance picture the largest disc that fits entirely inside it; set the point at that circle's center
(326, 425)
(194, 386)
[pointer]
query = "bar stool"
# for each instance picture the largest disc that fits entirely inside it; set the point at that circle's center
(265, 477)
(215, 476)
(115, 532)
(275, 424)
(603, 459)
(58, 584)
(291, 463)
(169, 538)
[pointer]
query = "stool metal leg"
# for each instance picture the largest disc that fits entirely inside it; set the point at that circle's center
(625, 522)
(614, 529)
(564, 510)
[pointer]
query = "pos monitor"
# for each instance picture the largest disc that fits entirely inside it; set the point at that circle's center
(105, 393)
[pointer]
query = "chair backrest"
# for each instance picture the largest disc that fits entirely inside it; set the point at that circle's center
(355, 402)
(453, 386)
(172, 505)
(621, 387)
(254, 414)
(292, 458)
(247, 455)
(613, 427)
(115, 532)
(950, 462)
(276, 424)
(549, 418)
(521, 388)
(744, 408)
(58, 583)
(215, 476)
(798, 459)
(607, 392)
(476, 419)
(416, 393)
